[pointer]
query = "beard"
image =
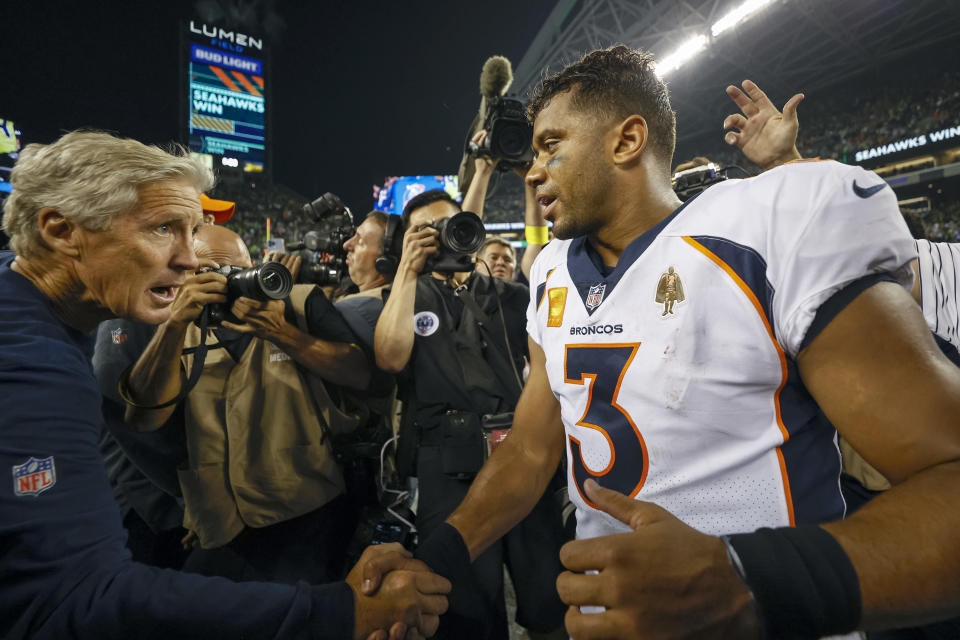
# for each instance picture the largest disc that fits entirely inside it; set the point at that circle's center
(573, 225)
(584, 205)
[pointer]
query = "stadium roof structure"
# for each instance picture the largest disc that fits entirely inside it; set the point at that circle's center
(785, 46)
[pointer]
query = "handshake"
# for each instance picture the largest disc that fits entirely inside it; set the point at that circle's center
(395, 596)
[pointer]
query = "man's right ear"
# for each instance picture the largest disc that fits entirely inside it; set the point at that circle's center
(58, 233)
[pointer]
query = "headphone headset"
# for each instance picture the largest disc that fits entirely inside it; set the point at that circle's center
(389, 261)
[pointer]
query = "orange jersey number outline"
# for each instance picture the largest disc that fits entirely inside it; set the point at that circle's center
(605, 366)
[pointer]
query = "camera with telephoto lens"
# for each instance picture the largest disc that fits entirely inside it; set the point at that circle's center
(269, 281)
(509, 134)
(460, 236)
(324, 258)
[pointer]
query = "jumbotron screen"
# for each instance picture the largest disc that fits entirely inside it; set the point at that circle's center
(227, 97)
(393, 196)
(9, 149)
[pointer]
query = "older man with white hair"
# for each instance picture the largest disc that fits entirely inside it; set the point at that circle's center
(103, 227)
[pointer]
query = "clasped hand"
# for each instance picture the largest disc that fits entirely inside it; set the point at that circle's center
(395, 596)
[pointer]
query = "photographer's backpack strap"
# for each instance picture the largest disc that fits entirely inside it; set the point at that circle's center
(334, 418)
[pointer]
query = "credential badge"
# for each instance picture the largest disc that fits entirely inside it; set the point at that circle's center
(669, 291)
(34, 476)
(595, 295)
(426, 323)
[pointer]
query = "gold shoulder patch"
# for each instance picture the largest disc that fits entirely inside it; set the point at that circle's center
(558, 301)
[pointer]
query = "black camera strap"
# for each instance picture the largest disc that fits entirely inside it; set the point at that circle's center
(485, 324)
(186, 383)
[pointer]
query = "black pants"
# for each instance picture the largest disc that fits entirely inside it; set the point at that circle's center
(531, 551)
(310, 547)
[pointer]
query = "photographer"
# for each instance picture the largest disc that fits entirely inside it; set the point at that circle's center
(142, 467)
(262, 488)
(458, 373)
(362, 309)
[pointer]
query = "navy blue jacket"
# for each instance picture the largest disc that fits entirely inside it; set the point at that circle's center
(64, 569)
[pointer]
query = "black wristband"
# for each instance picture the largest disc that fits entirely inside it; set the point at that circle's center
(445, 552)
(801, 579)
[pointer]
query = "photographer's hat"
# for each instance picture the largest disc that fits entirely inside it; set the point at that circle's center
(221, 210)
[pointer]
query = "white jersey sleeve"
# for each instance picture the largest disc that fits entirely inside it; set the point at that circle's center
(832, 225)
(937, 267)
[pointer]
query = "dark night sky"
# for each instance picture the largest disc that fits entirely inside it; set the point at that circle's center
(360, 90)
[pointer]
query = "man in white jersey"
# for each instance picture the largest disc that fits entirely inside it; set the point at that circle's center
(697, 423)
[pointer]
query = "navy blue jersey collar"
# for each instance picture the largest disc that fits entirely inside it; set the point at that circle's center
(588, 278)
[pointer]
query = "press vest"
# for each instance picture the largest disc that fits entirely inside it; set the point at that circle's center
(257, 451)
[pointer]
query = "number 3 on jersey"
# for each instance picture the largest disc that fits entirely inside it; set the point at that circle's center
(605, 365)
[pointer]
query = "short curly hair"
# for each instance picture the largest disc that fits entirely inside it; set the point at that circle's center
(615, 82)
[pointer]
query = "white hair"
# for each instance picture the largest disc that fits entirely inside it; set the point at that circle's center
(89, 177)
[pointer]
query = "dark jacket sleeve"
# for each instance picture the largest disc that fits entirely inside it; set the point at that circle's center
(137, 601)
(65, 570)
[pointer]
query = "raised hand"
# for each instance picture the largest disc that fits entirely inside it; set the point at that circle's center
(291, 261)
(264, 319)
(418, 245)
(199, 290)
(766, 136)
(483, 164)
(663, 580)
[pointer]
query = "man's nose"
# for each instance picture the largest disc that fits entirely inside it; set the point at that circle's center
(536, 175)
(184, 256)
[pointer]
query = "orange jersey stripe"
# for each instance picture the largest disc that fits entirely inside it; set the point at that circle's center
(225, 79)
(780, 354)
(547, 279)
(246, 83)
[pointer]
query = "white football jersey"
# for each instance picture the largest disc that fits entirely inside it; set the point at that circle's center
(938, 267)
(676, 373)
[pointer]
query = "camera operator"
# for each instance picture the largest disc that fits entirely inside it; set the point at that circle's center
(535, 231)
(262, 489)
(79, 258)
(460, 376)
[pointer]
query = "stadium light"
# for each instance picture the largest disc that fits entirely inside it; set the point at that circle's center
(684, 52)
(737, 15)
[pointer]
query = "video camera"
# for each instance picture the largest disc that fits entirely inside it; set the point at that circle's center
(509, 134)
(326, 260)
(269, 281)
(460, 236)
